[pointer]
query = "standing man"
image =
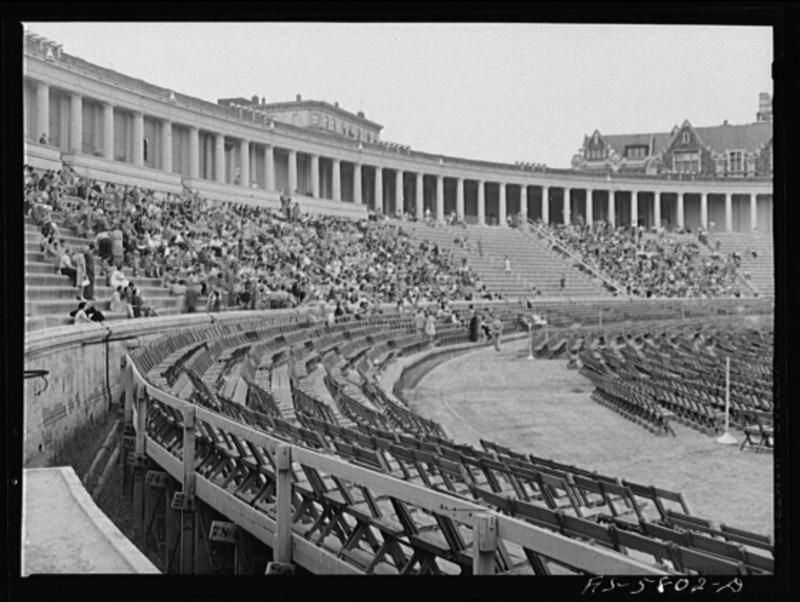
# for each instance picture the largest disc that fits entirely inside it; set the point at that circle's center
(474, 325)
(497, 331)
(88, 291)
(190, 298)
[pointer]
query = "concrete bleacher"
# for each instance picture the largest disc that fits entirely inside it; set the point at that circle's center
(761, 268)
(533, 263)
(50, 296)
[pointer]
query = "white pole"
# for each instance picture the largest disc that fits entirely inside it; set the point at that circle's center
(530, 346)
(727, 438)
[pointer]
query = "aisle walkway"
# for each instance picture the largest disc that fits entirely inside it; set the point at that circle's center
(63, 530)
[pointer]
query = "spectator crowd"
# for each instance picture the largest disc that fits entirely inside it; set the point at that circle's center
(233, 255)
(658, 264)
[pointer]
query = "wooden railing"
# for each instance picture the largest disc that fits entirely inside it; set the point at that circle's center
(281, 459)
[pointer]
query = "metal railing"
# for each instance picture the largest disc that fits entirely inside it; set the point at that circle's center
(555, 242)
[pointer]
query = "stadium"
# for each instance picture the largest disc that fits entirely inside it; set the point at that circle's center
(261, 340)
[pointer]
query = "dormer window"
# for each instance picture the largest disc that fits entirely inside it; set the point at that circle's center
(635, 152)
(685, 138)
(735, 161)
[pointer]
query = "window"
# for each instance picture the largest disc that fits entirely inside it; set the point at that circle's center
(635, 152)
(686, 162)
(595, 154)
(735, 164)
(146, 148)
(314, 118)
(685, 138)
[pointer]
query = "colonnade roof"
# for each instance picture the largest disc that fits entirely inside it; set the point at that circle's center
(399, 157)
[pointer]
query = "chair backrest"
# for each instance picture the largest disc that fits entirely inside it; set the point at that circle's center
(501, 502)
(747, 538)
(706, 564)
(538, 515)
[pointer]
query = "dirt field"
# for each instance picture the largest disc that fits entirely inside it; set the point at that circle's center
(541, 407)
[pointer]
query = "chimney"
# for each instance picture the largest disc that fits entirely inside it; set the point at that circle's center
(725, 122)
(764, 107)
(298, 98)
(336, 104)
(361, 114)
(254, 99)
(263, 100)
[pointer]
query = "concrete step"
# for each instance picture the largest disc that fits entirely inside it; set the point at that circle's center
(66, 291)
(44, 268)
(33, 278)
(69, 238)
(64, 306)
(51, 321)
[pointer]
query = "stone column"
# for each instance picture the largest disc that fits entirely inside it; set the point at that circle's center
(753, 213)
(567, 216)
(398, 191)
(269, 167)
(42, 111)
(634, 208)
(357, 197)
(728, 212)
(108, 131)
(315, 176)
(293, 174)
(378, 189)
(481, 204)
(138, 139)
(166, 145)
(420, 197)
(546, 204)
(194, 152)
(460, 199)
(76, 123)
(439, 198)
(657, 208)
(336, 177)
(681, 211)
(704, 210)
(589, 207)
(501, 204)
(244, 160)
(523, 205)
(612, 211)
(219, 158)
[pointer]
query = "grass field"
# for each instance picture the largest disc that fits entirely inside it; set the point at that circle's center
(541, 407)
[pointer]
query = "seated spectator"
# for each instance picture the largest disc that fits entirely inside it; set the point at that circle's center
(79, 316)
(66, 267)
(117, 278)
(116, 304)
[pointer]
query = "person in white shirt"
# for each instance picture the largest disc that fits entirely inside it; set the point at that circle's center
(117, 278)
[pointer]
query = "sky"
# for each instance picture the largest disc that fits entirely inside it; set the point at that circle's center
(494, 92)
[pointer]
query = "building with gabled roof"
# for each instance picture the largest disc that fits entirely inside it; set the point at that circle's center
(721, 151)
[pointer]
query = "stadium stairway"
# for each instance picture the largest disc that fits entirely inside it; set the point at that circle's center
(762, 267)
(533, 263)
(49, 295)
